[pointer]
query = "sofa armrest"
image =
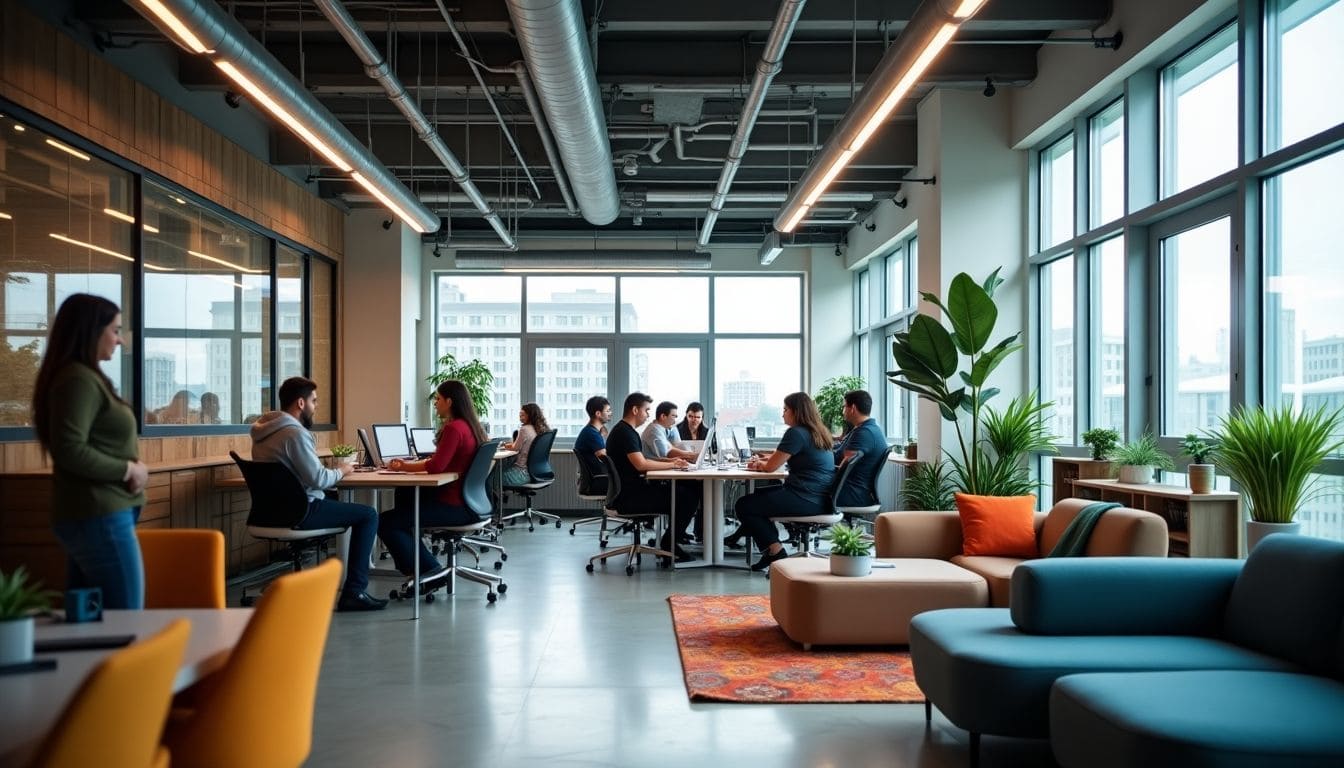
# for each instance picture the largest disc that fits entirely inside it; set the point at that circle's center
(1122, 595)
(935, 535)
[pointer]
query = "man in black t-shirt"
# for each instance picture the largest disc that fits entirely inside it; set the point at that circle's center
(637, 494)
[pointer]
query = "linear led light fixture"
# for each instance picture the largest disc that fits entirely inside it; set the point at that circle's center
(931, 28)
(175, 24)
(386, 201)
(90, 246)
(151, 229)
(224, 263)
(283, 115)
(67, 150)
(5, 216)
(114, 213)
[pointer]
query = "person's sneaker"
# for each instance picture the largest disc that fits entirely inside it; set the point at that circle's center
(361, 602)
(767, 559)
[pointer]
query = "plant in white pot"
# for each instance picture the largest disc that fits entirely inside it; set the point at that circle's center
(1199, 471)
(1135, 462)
(343, 453)
(851, 551)
(1271, 455)
(19, 599)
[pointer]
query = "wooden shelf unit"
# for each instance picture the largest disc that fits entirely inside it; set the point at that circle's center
(1200, 524)
(1067, 470)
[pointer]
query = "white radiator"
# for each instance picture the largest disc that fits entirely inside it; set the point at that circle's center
(562, 496)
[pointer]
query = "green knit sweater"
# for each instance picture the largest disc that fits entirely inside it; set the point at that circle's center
(93, 435)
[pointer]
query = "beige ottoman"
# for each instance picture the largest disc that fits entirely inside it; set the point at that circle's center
(815, 608)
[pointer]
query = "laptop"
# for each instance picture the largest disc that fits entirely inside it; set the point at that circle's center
(702, 457)
(422, 441)
(370, 455)
(743, 440)
(393, 442)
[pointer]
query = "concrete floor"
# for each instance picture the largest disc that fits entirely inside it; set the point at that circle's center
(578, 669)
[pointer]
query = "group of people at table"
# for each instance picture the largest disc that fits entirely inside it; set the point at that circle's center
(99, 480)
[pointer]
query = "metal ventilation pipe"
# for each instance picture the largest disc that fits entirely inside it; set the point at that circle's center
(377, 68)
(766, 69)
(228, 43)
(554, 42)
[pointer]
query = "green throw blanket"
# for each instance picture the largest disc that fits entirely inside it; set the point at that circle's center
(1073, 542)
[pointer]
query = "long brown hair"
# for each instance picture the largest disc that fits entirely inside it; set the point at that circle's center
(807, 416)
(79, 323)
(460, 405)
(535, 418)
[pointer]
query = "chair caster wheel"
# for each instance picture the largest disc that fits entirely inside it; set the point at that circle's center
(571, 530)
(503, 587)
(557, 525)
(498, 565)
(504, 556)
(429, 598)
(491, 597)
(531, 528)
(629, 570)
(588, 567)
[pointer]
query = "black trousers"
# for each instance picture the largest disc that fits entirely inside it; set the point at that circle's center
(657, 497)
(755, 510)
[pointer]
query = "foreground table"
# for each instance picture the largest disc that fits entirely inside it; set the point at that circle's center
(711, 509)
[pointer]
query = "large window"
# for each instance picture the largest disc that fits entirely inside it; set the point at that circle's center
(1106, 161)
(1057, 338)
(1106, 336)
(1199, 113)
(886, 284)
(1056, 192)
(733, 343)
(1196, 327)
(1302, 67)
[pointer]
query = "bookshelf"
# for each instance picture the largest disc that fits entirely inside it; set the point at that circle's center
(1066, 470)
(1199, 524)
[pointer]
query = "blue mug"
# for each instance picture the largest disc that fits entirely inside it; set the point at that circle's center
(83, 605)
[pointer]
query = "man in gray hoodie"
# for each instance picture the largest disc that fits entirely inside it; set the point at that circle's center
(283, 436)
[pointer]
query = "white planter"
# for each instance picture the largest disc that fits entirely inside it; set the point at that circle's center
(16, 641)
(1255, 531)
(845, 565)
(1136, 473)
(1201, 477)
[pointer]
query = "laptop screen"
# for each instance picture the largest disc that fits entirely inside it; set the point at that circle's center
(743, 442)
(370, 456)
(393, 442)
(704, 449)
(422, 440)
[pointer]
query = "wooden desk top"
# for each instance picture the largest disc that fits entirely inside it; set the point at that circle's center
(715, 473)
(32, 701)
(378, 479)
(1157, 489)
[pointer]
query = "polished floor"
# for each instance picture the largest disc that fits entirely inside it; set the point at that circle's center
(578, 669)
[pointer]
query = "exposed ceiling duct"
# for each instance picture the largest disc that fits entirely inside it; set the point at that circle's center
(581, 260)
(554, 43)
(378, 69)
(203, 27)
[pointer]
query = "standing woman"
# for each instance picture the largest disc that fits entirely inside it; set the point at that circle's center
(98, 479)
(453, 452)
(806, 448)
(533, 424)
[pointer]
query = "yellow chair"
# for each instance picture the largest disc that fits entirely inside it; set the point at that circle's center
(258, 710)
(117, 715)
(184, 567)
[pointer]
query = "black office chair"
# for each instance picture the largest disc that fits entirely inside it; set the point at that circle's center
(636, 522)
(807, 528)
(540, 476)
(476, 497)
(279, 503)
(861, 515)
(591, 488)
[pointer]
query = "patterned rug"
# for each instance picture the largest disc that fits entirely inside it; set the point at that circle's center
(732, 650)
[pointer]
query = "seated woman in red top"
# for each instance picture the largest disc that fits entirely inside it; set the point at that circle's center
(456, 446)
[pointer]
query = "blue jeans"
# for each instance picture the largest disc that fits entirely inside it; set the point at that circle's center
(363, 522)
(395, 528)
(103, 552)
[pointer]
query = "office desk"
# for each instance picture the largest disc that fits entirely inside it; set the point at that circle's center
(712, 506)
(32, 701)
(500, 455)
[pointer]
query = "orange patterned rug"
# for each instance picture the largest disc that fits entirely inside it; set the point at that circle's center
(732, 650)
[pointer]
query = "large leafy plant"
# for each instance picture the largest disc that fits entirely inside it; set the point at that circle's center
(950, 367)
(927, 486)
(830, 399)
(1272, 453)
(474, 375)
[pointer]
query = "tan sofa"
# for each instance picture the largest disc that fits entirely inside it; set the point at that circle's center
(1120, 532)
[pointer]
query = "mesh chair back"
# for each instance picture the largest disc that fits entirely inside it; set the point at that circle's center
(475, 484)
(877, 476)
(613, 482)
(278, 498)
(588, 484)
(539, 457)
(842, 479)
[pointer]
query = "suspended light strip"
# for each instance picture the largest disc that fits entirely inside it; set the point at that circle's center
(224, 263)
(175, 24)
(795, 218)
(226, 281)
(387, 201)
(148, 228)
(67, 150)
(157, 268)
(283, 115)
(903, 87)
(4, 215)
(114, 213)
(90, 246)
(967, 8)
(828, 177)
(19, 128)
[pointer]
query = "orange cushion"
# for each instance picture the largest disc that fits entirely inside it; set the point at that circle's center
(1001, 526)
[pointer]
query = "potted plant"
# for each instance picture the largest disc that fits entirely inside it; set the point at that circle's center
(927, 487)
(912, 449)
(19, 599)
(474, 375)
(1199, 471)
(343, 453)
(851, 551)
(1271, 455)
(1102, 440)
(1136, 461)
(830, 400)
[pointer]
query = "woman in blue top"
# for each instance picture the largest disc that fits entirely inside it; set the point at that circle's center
(806, 448)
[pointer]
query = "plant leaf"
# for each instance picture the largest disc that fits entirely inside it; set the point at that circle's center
(931, 343)
(972, 313)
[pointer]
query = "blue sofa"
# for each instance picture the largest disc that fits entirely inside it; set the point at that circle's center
(1153, 662)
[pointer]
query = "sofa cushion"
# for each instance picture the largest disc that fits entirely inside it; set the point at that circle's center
(1289, 602)
(999, 526)
(988, 677)
(1121, 532)
(1207, 718)
(997, 573)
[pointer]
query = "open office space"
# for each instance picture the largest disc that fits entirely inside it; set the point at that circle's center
(703, 202)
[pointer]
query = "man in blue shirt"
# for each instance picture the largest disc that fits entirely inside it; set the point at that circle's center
(591, 446)
(865, 435)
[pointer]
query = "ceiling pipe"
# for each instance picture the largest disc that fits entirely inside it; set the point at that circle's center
(554, 42)
(377, 68)
(766, 69)
(204, 28)
(519, 71)
(691, 196)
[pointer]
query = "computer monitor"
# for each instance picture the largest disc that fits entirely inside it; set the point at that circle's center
(370, 455)
(743, 441)
(393, 441)
(700, 458)
(423, 440)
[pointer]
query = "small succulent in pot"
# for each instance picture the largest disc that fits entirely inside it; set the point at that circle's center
(1200, 471)
(1102, 441)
